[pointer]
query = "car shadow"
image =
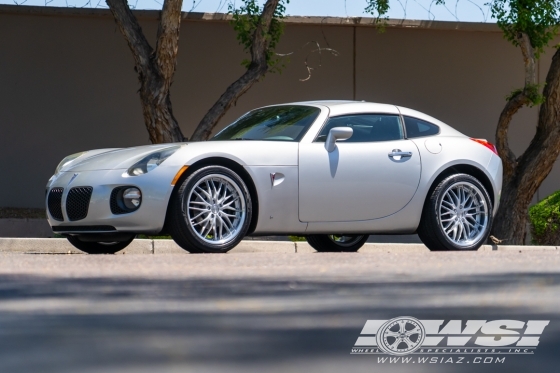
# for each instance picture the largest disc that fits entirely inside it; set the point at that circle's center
(134, 324)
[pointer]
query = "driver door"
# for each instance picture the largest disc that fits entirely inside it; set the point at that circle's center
(363, 178)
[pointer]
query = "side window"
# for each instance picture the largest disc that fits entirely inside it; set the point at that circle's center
(418, 128)
(366, 127)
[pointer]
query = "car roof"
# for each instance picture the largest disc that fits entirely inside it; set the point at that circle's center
(341, 107)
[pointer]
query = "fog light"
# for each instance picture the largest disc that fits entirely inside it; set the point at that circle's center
(132, 197)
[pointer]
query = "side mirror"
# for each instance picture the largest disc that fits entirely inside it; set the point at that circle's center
(335, 134)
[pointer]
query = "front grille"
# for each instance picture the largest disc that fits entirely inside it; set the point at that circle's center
(84, 228)
(115, 205)
(54, 203)
(77, 203)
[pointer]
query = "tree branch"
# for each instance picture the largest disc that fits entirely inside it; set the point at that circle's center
(528, 59)
(545, 146)
(167, 45)
(256, 70)
(516, 102)
(130, 28)
(502, 144)
(260, 41)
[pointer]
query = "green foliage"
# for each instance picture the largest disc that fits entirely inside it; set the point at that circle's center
(245, 21)
(533, 93)
(149, 237)
(378, 8)
(539, 19)
(297, 238)
(545, 218)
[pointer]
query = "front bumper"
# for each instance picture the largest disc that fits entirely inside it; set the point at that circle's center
(155, 186)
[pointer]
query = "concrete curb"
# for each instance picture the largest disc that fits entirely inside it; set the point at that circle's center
(62, 246)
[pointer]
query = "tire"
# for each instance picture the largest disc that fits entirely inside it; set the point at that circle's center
(202, 219)
(324, 243)
(99, 247)
(446, 224)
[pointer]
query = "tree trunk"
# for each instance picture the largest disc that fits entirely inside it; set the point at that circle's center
(524, 175)
(155, 69)
(257, 69)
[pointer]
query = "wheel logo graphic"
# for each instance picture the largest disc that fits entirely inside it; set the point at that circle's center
(401, 336)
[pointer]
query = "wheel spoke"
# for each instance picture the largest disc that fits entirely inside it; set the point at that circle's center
(214, 232)
(199, 196)
(202, 221)
(229, 203)
(396, 343)
(450, 203)
(407, 341)
(200, 214)
(223, 224)
(197, 209)
(413, 331)
(467, 229)
(402, 325)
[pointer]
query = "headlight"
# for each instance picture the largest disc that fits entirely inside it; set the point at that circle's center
(150, 162)
(67, 160)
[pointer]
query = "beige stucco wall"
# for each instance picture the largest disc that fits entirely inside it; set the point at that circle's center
(67, 83)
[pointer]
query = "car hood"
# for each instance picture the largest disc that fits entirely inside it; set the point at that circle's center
(112, 159)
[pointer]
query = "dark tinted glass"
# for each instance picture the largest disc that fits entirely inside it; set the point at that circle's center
(366, 127)
(276, 123)
(418, 128)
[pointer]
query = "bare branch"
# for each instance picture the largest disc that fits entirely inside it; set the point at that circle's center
(426, 9)
(319, 49)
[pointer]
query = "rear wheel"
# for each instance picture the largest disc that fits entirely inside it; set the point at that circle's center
(211, 211)
(99, 247)
(330, 243)
(457, 215)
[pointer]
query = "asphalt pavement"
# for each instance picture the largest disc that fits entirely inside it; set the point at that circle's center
(260, 311)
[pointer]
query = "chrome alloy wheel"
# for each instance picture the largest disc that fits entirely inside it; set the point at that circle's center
(345, 241)
(215, 209)
(463, 214)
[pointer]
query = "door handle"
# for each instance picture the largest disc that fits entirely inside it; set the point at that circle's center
(399, 153)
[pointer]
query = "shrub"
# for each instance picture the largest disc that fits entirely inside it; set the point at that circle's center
(545, 220)
(297, 238)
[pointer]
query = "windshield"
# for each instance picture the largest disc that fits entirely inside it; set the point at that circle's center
(275, 123)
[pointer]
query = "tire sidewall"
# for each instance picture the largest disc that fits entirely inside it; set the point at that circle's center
(439, 194)
(184, 192)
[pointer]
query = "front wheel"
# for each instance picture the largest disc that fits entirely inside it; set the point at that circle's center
(332, 243)
(457, 215)
(211, 211)
(90, 247)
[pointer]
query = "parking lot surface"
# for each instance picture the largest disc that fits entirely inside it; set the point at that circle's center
(259, 312)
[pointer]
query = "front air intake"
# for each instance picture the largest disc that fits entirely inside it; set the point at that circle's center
(54, 203)
(77, 203)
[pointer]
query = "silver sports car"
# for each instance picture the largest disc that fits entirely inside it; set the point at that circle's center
(332, 171)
